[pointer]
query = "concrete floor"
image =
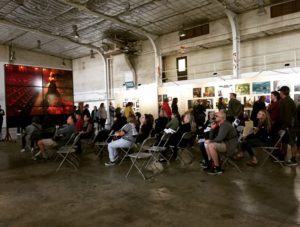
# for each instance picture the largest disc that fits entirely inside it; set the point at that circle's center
(32, 194)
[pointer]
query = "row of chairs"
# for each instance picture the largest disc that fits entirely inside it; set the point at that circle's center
(148, 152)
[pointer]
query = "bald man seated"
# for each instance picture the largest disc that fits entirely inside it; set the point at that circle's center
(226, 140)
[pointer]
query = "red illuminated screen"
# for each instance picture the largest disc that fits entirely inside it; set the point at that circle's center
(37, 91)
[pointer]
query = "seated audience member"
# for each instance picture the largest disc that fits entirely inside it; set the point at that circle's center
(160, 122)
(257, 106)
(79, 122)
(31, 135)
(119, 122)
(87, 131)
(138, 116)
(175, 122)
(260, 137)
(188, 125)
(206, 133)
(225, 141)
(127, 134)
(64, 133)
(146, 126)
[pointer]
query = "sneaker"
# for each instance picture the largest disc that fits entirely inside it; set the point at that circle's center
(203, 164)
(110, 163)
(291, 163)
(215, 171)
(22, 150)
(32, 150)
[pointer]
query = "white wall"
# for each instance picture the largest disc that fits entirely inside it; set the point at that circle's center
(28, 58)
(89, 80)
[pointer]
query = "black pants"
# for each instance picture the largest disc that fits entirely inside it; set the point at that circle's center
(102, 123)
(248, 144)
(203, 152)
(1, 122)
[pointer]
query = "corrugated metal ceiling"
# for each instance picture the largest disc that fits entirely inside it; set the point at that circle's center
(103, 19)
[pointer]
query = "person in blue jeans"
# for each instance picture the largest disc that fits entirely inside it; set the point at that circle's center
(127, 134)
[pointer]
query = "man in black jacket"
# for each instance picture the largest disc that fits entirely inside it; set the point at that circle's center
(288, 120)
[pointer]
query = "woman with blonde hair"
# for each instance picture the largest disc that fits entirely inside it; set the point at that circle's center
(261, 136)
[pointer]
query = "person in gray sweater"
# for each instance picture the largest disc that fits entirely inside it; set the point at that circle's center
(225, 141)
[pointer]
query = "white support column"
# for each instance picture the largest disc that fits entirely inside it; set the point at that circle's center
(232, 17)
(157, 65)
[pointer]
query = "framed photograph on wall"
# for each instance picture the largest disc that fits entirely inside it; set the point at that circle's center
(209, 91)
(277, 84)
(160, 99)
(248, 101)
(297, 99)
(261, 87)
(137, 104)
(242, 89)
(297, 86)
(225, 90)
(197, 92)
(165, 96)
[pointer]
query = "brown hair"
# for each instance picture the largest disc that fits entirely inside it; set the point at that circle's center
(267, 122)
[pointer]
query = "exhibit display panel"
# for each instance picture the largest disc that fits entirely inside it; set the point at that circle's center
(32, 91)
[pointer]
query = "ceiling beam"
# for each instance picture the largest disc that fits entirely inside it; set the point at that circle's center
(109, 18)
(10, 24)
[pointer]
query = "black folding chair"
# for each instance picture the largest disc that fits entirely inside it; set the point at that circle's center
(271, 150)
(68, 152)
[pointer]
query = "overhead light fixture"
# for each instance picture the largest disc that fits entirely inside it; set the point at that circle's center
(92, 54)
(12, 54)
(215, 74)
(75, 31)
(39, 44)
(182, 33)
(63, 62)
(286, 64)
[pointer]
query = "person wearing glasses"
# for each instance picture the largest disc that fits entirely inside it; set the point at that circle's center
(226, 140)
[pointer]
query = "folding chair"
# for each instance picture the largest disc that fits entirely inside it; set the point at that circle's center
(126, 151)
(67, 153)
(141, 154)
(187, 136)
(102, 145)
(270, 150)
(160, 147)
(227, 159)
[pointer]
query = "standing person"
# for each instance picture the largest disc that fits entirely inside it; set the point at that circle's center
(234, 108)
(111, 113)
(288, 114)
(128, 111)
(166, 108)
(174, 105)
(221, 104)
(102, 116)
(257, 106)
(94, 116)
(2, 113)
(86, 110)
(274, 111)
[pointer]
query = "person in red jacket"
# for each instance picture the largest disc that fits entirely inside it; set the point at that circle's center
(166, 108)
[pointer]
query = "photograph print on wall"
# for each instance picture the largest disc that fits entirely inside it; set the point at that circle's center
(197, 92)
(261, 87)
(242, 89)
